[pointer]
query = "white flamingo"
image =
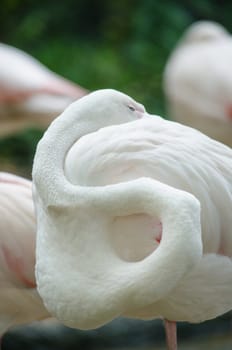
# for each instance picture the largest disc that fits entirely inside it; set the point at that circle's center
(30, 94)
(118, 212)
(20, 302)
(198, 80)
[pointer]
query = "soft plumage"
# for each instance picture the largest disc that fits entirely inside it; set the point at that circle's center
(198, 80)
(118, 211)
(30, 93)
(185, 159)
(20, 302)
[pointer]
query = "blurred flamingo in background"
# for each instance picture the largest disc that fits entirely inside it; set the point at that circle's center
(30, 94)
(20, 302)
(118, 212)
(198, 80)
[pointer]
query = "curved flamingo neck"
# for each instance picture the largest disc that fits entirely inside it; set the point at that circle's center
(52, 149)
(83, 215)
(102, 278)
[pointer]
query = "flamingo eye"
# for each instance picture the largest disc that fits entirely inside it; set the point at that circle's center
(131, 108)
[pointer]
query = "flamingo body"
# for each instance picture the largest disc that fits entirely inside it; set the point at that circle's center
(134, 214)
(198, 82)
(20, 302)
(29, 92)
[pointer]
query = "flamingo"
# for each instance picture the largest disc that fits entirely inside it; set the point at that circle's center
(30, 94)
(198, 80)
(134, 217)
(20, 302)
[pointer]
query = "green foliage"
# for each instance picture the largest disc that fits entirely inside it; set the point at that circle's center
(20, 149)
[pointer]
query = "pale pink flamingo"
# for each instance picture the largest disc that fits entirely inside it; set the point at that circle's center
(133, 219)
(198, 80)
(20, 302)
(30, 93)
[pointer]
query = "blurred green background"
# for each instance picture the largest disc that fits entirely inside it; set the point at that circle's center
(121, 44)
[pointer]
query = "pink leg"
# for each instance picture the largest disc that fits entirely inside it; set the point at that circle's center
(171, 337)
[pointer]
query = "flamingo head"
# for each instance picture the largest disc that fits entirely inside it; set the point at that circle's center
(106, 107)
